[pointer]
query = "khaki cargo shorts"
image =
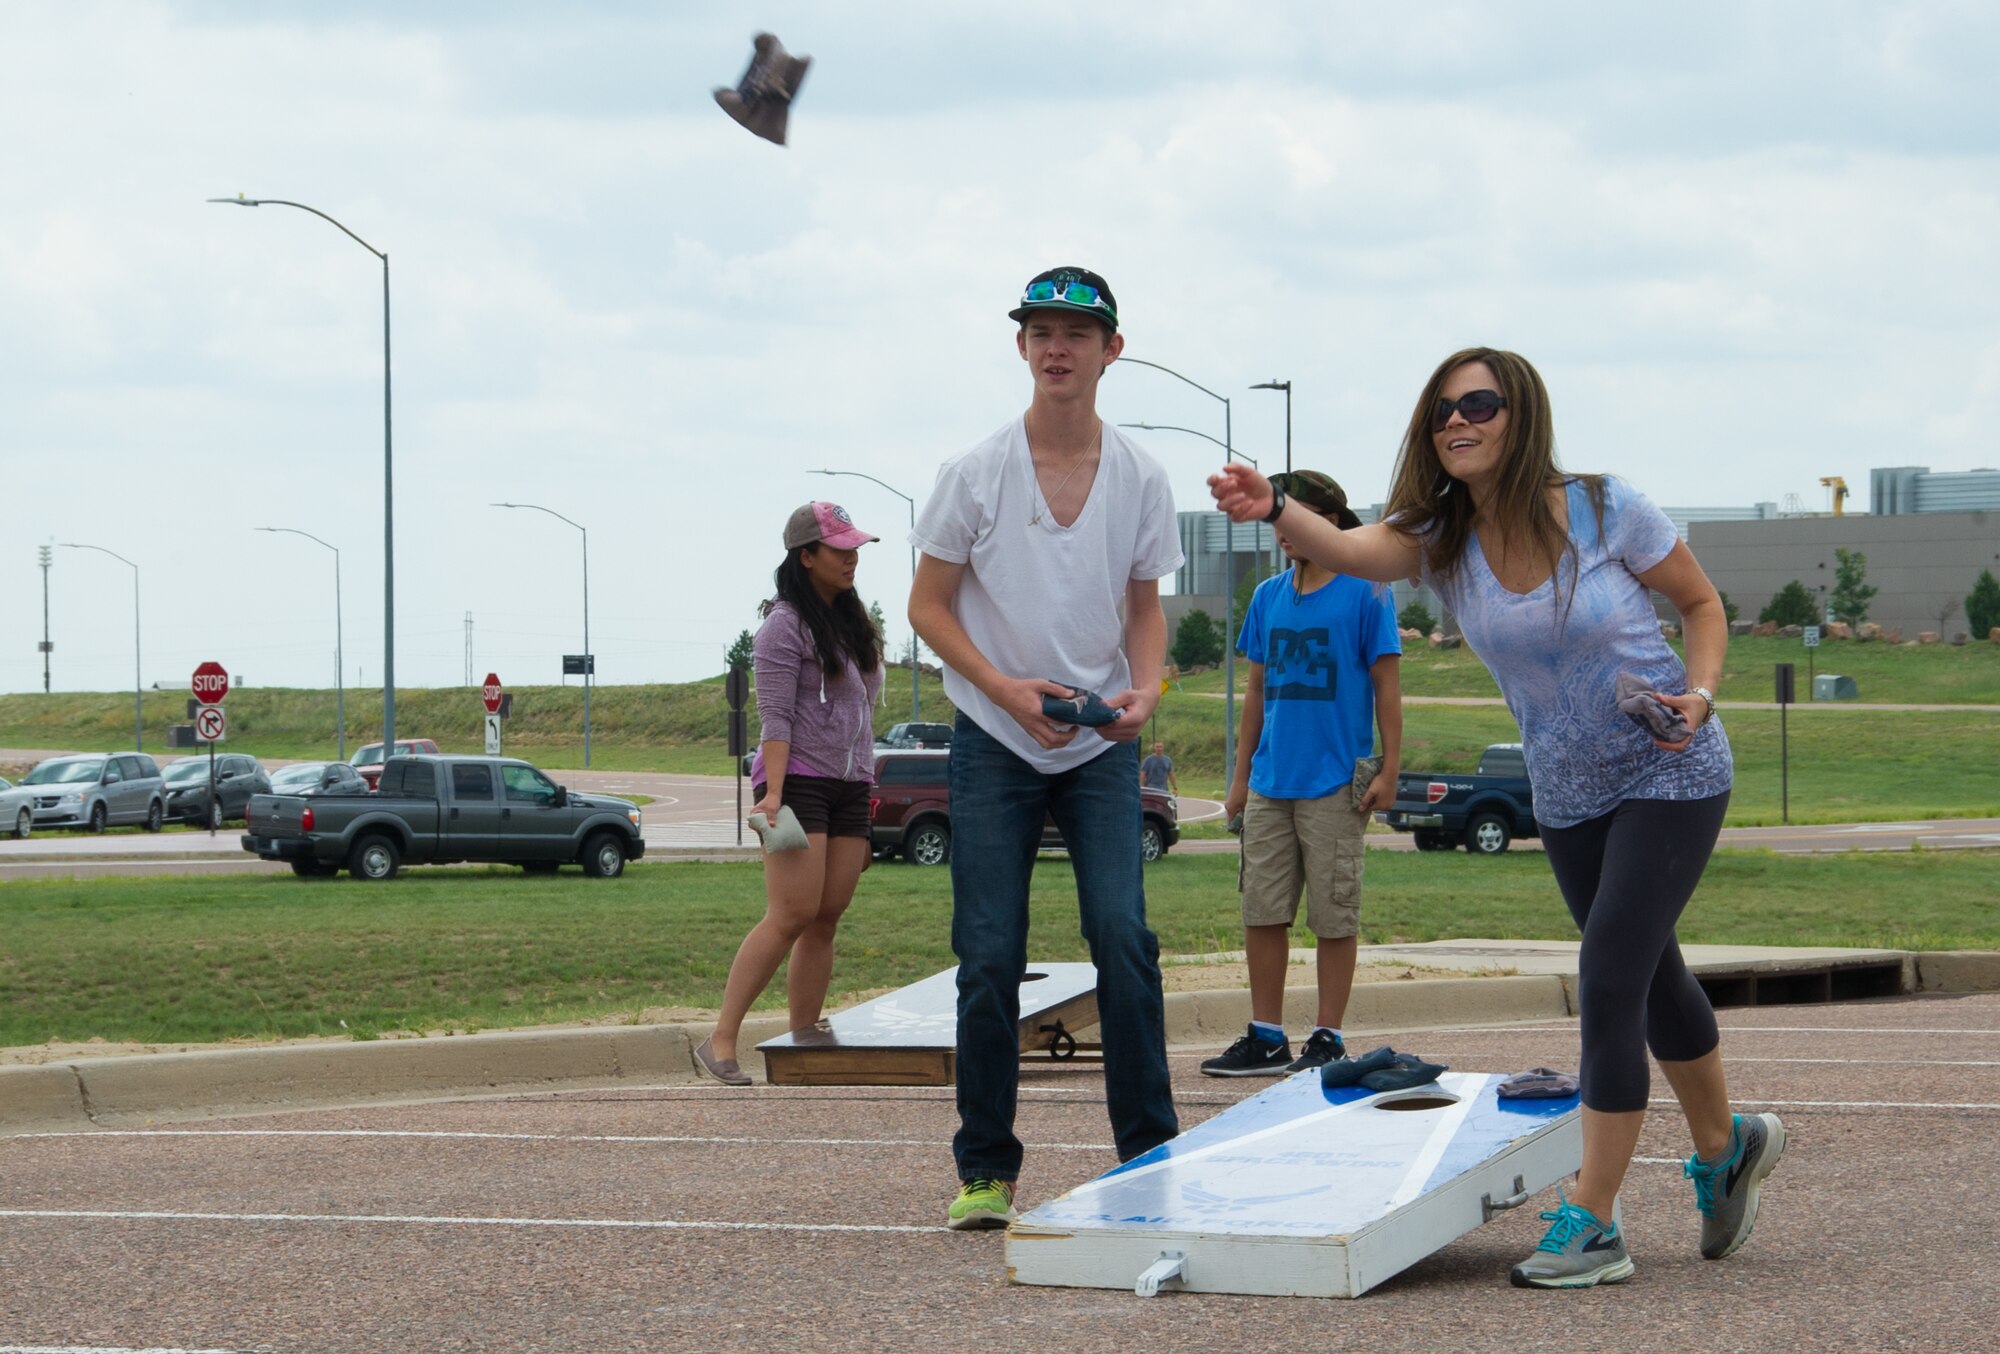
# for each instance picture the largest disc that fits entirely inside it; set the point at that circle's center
(1312, 845)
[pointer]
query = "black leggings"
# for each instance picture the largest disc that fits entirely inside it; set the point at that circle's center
(1626, 877)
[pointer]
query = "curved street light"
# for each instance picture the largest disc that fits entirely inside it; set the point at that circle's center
(1285, 386)
(1228, 577)
(339, 675)
(589, 662)
(388, 470)
(138, 689)
(916, 700)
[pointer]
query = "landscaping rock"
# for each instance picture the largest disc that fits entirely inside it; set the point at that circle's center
(1791, 631)
(1748, 627)
(1838, 630)
(1961, 638)
(1867, 631)
(1927, 637)
(1669, 630)
(1445, 641)
(1993, 635)
(1893, 636)
(1764, 629)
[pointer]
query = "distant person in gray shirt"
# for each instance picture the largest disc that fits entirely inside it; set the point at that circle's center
(1157, 771)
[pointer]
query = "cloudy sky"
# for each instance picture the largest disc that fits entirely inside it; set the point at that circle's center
(1748, 244)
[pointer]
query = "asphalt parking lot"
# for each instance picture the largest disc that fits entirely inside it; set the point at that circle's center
(691, 1217)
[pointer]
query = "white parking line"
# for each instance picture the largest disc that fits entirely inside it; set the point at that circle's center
(1735, 1029)
(106, 1349)
(417, 1220)
(1851, 1104)
(642, 1139)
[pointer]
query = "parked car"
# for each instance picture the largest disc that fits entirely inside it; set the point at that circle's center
(236, 778)
(917, 736)
(318, 778)
(441, 810)
(17, 808)
(97, 791)
(909, 812)
(368, 760)
(1485, 811)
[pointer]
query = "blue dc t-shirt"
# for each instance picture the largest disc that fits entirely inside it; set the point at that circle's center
(1319, 702)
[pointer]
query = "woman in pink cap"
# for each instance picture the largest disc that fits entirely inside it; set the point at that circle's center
(818, 667)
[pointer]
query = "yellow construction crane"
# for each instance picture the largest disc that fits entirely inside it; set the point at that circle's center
(1839, 487)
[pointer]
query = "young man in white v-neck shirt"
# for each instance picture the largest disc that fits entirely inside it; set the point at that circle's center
(1042, 553)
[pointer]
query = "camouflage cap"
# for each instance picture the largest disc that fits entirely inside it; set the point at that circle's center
(1320, 493)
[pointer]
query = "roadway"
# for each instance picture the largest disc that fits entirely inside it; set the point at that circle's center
(689, 1216)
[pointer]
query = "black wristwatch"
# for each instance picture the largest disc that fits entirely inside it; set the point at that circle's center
(1277, 504)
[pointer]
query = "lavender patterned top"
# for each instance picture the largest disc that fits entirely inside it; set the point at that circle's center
(1558, 674)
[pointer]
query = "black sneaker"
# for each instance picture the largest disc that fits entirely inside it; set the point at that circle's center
(1324, 1047)
(1251, 1056)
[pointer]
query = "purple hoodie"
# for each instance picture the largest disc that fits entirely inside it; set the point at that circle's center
(829, 723)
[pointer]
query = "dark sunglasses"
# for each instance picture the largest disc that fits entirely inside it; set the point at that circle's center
(1076, 293)
(1478, 406)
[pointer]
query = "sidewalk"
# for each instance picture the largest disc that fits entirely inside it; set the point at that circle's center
(1527, 981)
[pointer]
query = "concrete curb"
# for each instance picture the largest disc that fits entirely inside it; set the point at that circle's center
(180, 1087)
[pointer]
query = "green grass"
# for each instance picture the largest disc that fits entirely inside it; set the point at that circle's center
(159, 960)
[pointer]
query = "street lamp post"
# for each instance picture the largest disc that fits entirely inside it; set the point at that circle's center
(1228, 580)
(1285, 386)
(916, 700)
(339, 675)
(388, 471)
(138, 707)
(589, 662)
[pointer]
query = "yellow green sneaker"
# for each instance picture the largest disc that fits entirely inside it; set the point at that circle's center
(982, 1203)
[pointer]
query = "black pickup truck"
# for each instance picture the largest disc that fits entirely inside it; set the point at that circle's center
(1484, 812)
(441, 810)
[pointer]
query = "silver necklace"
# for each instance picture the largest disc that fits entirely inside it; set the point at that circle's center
(1049, 500)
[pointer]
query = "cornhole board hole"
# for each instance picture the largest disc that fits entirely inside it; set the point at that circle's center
(910, 1036)
(1302, 1191)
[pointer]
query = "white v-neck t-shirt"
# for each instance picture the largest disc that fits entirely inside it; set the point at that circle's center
(1040, 599)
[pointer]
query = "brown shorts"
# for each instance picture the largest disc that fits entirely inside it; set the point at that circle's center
(1309, 845)
(839, 808)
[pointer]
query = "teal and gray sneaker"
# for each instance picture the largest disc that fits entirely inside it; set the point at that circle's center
(1726, 1191)
(1579, 1251)
(982, 1203)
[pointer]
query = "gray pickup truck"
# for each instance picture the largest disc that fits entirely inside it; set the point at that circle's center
(442, 810)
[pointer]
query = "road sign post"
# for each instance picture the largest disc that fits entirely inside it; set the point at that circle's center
(491, 693)
(1785, 695)
(210, 684)
(736, 687)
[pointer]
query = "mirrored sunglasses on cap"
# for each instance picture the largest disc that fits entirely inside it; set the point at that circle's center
(1477, 406)
(1050, 291)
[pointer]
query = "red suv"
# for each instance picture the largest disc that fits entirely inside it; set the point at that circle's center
(910, 810)
(368, 761)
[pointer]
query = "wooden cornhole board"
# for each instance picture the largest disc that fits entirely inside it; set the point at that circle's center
(910, 1036)
(1301, 1191)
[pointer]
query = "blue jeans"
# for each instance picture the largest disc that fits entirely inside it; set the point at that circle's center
(998, 803)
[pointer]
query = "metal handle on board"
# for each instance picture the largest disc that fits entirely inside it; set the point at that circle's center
(1488, 1206)
(1170, 1265)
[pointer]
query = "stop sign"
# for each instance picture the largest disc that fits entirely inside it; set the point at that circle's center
(490, 693)
(211, 683)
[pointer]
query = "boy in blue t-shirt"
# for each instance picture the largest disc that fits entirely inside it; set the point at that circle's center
(1325, 661)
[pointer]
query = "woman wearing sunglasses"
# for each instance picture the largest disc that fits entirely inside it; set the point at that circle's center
(1549, 575)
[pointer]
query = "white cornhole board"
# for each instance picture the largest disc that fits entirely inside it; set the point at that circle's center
(910, 1036)
(1303, 1191)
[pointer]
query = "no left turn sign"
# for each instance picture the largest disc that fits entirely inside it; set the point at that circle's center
(210, 724)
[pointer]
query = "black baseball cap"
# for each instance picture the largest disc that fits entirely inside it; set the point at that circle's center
(1069, 288)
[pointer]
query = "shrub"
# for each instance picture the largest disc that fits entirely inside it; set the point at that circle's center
(1792, 606)
(1417, 616)
(1198, 641)
(1982, 608)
